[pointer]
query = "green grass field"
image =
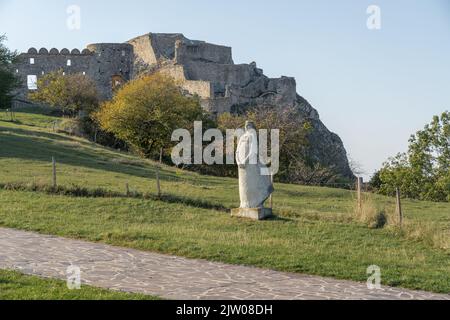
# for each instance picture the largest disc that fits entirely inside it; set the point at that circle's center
(16, 286)
(313, 233)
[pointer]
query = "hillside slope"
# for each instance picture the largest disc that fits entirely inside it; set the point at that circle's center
(313, 233)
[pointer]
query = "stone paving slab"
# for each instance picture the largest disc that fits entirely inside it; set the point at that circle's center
(174, 277)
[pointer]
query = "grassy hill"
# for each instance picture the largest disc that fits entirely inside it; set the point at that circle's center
(314, 232)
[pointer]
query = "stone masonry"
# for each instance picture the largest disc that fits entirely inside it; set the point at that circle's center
(200, 68)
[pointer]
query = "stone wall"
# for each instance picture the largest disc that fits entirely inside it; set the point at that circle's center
(38, 63)
(143, 50)
(110, 62)
(101, 62)
(201, 51)
(204, 89)
(231, 74)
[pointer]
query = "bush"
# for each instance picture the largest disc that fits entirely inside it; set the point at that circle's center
(72, 93)
(375, 181)
(295, 166)
(379, 220)
(145, 112)
(423, 172)
(92, 130)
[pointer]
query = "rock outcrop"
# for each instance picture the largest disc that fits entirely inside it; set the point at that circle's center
(208, 70)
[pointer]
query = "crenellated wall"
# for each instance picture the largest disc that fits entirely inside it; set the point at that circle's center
(99, 61)
(40, 62)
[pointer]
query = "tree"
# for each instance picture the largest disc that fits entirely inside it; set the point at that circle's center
(424, 171)
(375, 181)
(8, 80)
(71, 93)
(295, 167)
(355, 166)
(145, 112)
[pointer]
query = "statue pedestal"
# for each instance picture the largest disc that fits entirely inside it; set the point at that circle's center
(252, 213)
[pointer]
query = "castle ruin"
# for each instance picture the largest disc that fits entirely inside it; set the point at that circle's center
(200, 68)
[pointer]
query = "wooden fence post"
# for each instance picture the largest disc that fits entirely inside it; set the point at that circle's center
(158, 183)
(127, 188)
(54, 172)
(399, 206)
(359, 187)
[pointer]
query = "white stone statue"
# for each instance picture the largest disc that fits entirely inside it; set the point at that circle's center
(254, 187)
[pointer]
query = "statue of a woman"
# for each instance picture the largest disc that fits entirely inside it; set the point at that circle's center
(254, 187)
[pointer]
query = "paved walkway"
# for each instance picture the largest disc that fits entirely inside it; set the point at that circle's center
(173, 277)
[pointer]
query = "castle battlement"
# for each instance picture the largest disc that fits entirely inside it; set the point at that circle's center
(199, 67)
(54, 52)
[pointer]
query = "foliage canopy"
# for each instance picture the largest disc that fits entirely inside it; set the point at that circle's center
(145, 112)
(423, 172)
(8, 80)
(72, 93)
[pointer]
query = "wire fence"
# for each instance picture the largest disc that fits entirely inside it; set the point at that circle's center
(186, 188)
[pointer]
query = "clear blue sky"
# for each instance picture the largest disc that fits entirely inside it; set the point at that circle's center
(372, 87)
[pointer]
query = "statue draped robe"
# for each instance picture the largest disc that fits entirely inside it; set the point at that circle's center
(254, 188)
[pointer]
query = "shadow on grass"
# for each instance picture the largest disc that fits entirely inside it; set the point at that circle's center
(42, 146)
(33, 134)
(34, 145)
(279, 218)
(82, 192)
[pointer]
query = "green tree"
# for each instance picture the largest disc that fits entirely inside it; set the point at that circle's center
(8, 81)
(424, 171)
(145, 112)
(294, 165)
(71, 93)
(375, 181)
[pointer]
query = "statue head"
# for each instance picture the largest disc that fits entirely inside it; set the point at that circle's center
(249, 125)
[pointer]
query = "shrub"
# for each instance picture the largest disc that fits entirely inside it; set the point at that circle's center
(72, 93)
(295, 165)
(379, 220)
(145, 112)
(423, 172)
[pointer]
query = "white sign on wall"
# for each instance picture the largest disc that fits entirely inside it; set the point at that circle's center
(32, 82)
